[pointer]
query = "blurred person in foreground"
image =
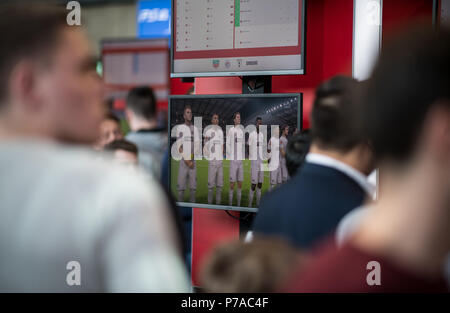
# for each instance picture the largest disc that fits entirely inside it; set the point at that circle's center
(109, 131)
(262, 265)
(333, 178)
(151, 139)
(59, 205)
(406, 115)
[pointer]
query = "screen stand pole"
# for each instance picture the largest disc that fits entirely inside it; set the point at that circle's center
(256, 84)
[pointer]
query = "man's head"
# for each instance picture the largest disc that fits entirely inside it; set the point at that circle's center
(109, 130)
(336, 126)
(285, 130)
(141, 105)
(187, 114)
(125, 152)
(215, 119)
(331, 126)
(258, 122)
(48, 83)
(237, 118)
(407, 102)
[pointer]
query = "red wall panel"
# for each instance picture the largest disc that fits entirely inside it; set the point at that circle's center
(179, 88)
(329, 34)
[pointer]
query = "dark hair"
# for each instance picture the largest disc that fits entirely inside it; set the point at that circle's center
(296, 150)
(142, 101)
(259, 118)
(187, 106)
(27, 31)
(235, 114)
(122, 144)
(411, 76)
(111, 116)
(333, 125)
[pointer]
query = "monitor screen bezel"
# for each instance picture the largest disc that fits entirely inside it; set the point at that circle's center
(169, 113)
(239, 73)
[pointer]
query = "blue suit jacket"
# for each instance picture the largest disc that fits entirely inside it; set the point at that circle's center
(309, 206)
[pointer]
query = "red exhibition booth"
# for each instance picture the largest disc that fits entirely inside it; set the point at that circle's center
(329, 46)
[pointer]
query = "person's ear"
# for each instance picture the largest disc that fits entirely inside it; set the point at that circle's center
(22, 86)
(438, 131)
(446, 129)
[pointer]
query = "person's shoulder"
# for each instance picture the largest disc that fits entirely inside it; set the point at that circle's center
(96, 169)
(282, 194)
(77, 166)
(292, 194)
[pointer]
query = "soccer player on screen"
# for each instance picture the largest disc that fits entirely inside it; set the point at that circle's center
(187, 167)
(283, 146)
(255, 142)
(235, 143)
(214, 141)
(274, 147)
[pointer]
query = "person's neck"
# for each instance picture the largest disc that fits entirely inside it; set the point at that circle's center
(410, 225)
(350, 158)
(139, 124)
(12, 128)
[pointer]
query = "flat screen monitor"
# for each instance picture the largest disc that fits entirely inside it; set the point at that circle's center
(133, 62)
(222, 141)
(237, 37)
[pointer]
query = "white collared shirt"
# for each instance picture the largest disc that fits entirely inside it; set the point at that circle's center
(61, 204)
(357, 176)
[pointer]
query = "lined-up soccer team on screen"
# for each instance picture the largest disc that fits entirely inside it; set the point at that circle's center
(187, 171)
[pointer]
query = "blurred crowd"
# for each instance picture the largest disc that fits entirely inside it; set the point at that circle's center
(74, 187)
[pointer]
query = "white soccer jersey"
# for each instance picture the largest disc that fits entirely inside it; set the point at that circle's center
(255, 143)
(189, 140)
(213, 148)
(274, 147)
(186, 174)
(283, 145)
(235, 144)
(284, 172)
